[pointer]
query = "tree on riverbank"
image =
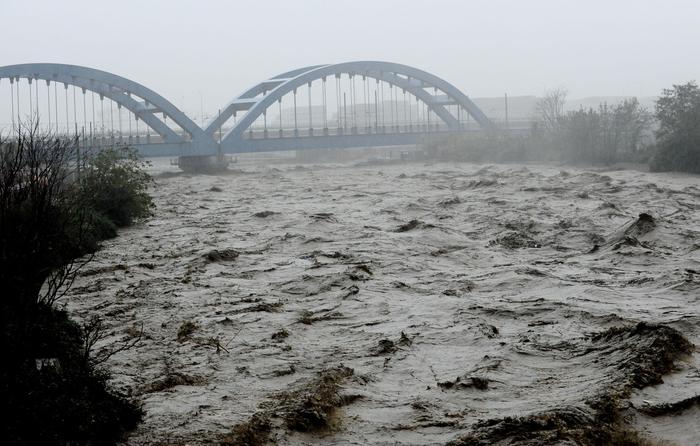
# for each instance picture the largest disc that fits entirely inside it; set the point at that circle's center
(52, 391)
(678, 135)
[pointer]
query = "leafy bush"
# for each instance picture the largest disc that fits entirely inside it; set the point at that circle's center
(114, 183)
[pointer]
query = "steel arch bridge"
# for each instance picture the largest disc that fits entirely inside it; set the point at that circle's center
(433, 105)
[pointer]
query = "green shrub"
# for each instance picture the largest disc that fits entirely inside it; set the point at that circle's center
(115, 184)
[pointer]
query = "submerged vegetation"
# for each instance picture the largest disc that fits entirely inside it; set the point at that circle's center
(55, 208)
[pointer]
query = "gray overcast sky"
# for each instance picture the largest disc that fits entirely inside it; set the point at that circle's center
(218, 48)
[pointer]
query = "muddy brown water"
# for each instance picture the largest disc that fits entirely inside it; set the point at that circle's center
(458, 294)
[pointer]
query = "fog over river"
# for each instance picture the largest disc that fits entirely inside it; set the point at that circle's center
(407, 304)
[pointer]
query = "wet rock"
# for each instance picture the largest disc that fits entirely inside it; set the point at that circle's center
(215, 189)
(223, 255)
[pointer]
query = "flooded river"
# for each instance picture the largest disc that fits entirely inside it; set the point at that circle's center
(407, 304)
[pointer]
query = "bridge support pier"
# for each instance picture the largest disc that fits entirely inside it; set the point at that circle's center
(203, 163)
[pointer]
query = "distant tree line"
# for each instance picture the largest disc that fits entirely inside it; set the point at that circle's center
(668, 139)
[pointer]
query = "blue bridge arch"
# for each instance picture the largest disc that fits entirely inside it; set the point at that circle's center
(188, 138)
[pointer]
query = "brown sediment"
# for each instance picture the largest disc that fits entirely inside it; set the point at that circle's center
(312, 406)
(253, 432)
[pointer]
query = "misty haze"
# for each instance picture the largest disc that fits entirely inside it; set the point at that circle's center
(372, 222)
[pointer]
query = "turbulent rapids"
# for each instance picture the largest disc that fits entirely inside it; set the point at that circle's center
(408, 304)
